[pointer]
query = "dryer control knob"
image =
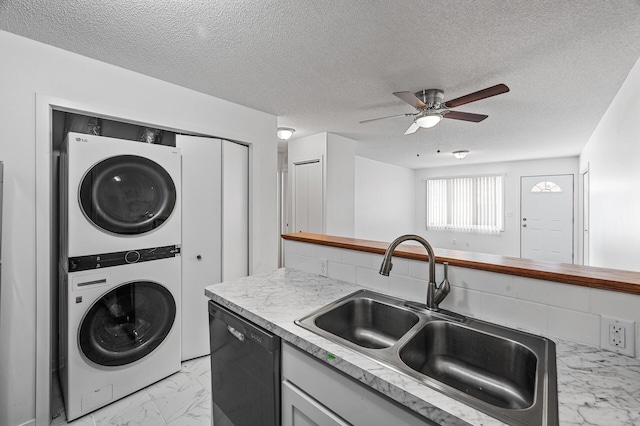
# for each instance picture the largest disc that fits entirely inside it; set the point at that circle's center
(132, 256)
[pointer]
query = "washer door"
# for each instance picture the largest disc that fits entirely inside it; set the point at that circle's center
(127, 323)
(127, 194)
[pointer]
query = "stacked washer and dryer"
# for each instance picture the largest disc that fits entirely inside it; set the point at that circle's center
(120, 268)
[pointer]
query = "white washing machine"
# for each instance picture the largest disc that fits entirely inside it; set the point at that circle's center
(117, 195)
(119, 329)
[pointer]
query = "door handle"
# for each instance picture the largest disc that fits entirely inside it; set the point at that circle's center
(235, 333)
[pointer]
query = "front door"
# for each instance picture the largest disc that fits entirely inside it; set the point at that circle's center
(546, 231)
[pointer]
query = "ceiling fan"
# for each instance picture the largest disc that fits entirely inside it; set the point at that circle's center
(432, 109)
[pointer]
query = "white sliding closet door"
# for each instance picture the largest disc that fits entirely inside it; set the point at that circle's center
(235, 211)
(201, 236)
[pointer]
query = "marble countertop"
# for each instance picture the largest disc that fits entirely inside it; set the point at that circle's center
(595, 387)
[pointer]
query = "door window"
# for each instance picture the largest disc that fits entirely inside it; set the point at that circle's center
(127, 195)
(546, 186)
(127, 323)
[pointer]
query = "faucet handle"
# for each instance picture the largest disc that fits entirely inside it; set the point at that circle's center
(444, 288)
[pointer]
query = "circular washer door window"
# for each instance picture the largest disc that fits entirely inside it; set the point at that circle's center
(127, 323)
(127, 195)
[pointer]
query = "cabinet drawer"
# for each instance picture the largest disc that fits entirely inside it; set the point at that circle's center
(299, 409)
(348, 399)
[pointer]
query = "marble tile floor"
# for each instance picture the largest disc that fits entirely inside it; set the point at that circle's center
(182, 399)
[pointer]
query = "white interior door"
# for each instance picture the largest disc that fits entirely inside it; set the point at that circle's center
(283, 221)
(585, 218)
(546, 231)
(308, 206)
(235, 211)
(201, 236)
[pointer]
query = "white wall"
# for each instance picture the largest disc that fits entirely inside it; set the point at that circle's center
(384, 207)
(507, 243)
(307, 148)
(612, 156)
(30, 68)
(340, 186)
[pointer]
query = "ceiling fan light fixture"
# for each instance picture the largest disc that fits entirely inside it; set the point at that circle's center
(285, 133)
(428, 120)
(460, 154)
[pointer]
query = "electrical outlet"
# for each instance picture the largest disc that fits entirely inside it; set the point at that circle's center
(617, 335)
(323, 267)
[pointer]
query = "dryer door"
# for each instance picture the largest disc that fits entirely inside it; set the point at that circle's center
(127, 194)
(127, 323)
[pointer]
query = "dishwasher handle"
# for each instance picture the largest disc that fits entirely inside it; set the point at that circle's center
(249, 331)
(235, 333)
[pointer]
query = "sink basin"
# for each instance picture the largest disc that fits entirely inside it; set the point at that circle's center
(367, 322)
(506, 373)
(498, 371)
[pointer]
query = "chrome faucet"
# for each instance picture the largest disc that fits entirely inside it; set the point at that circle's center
(435, 294)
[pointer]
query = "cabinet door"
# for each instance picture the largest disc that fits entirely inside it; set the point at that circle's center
(299, 409)
(201, 237)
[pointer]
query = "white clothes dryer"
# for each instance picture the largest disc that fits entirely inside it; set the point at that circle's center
(119, 331)
(117, 195)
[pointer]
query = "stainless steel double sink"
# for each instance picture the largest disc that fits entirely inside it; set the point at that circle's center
(506, 373)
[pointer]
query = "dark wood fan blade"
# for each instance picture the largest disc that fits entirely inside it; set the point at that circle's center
(388, 116)
(411, 99)
(476, 96)
(465, 116)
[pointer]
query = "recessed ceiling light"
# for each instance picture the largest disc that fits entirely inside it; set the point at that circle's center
(460, 154)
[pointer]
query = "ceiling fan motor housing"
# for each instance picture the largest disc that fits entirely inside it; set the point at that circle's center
(432, 98)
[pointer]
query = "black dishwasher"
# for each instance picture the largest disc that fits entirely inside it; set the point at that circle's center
(245, 371)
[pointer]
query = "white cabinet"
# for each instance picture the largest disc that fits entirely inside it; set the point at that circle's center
(215, 228)
(316, 394)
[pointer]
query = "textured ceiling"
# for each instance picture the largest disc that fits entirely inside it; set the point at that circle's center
(323, 65)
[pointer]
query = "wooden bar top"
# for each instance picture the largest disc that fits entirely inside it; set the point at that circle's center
(586, 276)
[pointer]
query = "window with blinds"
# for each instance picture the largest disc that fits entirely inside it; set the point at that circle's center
(466, 204)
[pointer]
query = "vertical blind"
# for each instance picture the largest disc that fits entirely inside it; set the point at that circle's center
(469, 204)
